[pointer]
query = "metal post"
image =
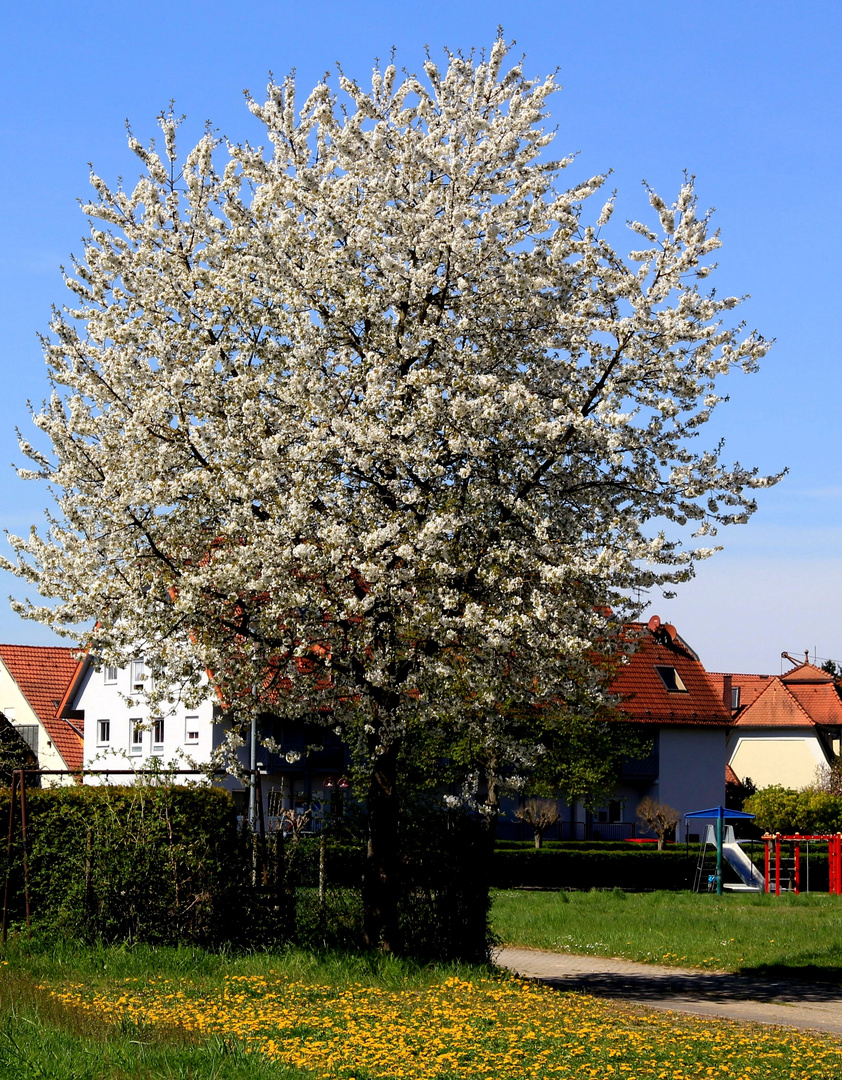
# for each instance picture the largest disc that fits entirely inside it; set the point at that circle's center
(25, 855)
(261, 821)
(719, 854)
(322, 873)
(797, 868)
(768, 862)
(253, 768)
(12, 794)
(777, 864)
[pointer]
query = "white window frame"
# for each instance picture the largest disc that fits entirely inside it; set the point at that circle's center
(135, 737)
(158, 729)
(109, 675)
(139, 673)
(103, 732)
(191, 730)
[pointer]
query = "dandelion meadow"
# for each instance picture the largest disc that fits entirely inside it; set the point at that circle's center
(482, 1025)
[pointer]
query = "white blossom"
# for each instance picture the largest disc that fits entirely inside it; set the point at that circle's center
(372, 420)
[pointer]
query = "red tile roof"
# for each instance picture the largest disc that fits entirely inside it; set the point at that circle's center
(647, 699)
(804, 696)
(750, 686)
(775, 707)
(43, 673)
(806, 673)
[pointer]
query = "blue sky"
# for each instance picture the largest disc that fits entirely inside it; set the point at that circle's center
(745, 95)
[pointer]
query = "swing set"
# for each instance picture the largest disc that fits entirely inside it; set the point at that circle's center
(786, 866)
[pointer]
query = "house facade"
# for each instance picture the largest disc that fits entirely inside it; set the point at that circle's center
(665, 691)
(122, 736)
(33, 682)
(785, 727)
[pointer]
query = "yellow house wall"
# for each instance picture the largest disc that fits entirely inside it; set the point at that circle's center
(788, 760)
(14, 704)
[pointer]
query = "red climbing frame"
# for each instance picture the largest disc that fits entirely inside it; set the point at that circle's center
(834, 857)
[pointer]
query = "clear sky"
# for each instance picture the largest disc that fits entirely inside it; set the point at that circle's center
(744, 94)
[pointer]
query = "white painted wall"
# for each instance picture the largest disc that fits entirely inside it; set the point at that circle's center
(789, 756)
(17, 709)
(105, 700)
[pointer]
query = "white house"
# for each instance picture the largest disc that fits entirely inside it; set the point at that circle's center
(120, 736)
(668, 696)
(308, 771)
(786, 728)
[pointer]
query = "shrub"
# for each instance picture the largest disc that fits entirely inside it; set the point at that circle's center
(784, 810)
(167, 864)
(158, 863)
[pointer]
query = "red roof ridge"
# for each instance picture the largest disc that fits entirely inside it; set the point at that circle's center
(776, 684)
(816, 675)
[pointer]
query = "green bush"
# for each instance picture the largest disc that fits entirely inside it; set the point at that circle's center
(151, 862)
(780, 809)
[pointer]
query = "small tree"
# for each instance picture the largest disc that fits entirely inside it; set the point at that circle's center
(658, 817)
(829, 778)
(540, 815)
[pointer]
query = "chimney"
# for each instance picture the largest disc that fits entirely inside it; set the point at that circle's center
(727, 695)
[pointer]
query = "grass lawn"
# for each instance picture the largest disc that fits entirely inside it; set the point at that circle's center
(67, 1013)
(797, 935)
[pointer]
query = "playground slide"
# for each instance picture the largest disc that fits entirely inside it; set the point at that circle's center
(745, 868)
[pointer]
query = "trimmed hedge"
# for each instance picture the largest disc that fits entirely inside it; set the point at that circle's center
(594, 866)
(167, 864)
(158, 863)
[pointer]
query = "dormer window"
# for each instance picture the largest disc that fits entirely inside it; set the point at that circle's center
(735, 698)
(671, 679)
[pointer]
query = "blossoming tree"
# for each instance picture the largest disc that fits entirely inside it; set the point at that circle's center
(373, 424)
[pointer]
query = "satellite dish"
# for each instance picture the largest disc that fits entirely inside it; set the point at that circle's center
(670, 631)
(654, 623)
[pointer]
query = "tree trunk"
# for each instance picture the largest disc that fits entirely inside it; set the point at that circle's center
(539, 837)
(380, 884)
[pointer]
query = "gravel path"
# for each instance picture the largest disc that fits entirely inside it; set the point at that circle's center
(812, 1006)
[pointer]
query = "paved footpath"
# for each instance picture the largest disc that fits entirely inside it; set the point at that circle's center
(814, 1006)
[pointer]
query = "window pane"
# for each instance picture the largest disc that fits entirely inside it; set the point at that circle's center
(137, 736)
(29, 734)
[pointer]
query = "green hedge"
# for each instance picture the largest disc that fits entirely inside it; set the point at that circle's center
(158, 863)
(594, 867)
(167, 864)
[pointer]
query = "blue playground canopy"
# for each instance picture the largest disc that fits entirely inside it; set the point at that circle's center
(719, 812)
